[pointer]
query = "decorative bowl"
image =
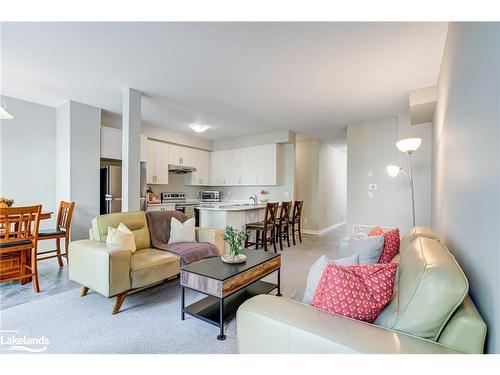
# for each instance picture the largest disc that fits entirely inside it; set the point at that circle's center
(227, 258)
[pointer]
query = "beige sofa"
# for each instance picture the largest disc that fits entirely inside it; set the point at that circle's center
(118, 272)
(430, 312)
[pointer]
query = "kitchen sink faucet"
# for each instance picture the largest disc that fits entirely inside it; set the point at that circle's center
(254, 198)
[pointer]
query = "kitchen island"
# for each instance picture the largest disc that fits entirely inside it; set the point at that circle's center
(237, 215)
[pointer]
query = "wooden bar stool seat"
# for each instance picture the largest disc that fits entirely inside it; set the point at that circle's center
(265, 231)
(295, 220)
(282, 224)
(62, 231)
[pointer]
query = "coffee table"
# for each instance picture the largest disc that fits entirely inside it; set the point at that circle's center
(227, 286)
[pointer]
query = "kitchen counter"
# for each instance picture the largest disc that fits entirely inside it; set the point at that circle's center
(218, 215)
(230, 206)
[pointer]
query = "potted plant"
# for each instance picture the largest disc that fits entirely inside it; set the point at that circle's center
(234, 239)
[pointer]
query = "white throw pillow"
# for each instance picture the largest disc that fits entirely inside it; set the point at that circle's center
(316, 271)
(182, 232)
(369, 249)
(120, 238)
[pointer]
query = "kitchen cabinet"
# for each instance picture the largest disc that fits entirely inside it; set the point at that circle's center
(248, 165)
(217, 168)
(200, 160)
(157, 160)
(111, 143)
(268, 160)
(175, 155)
(251, 166)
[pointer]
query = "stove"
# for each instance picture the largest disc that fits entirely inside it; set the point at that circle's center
(173, 197)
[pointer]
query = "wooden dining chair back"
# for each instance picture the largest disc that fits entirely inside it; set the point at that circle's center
(282, 224)
(18, 244)
(62, 231)
(265, 231)
(296, 219)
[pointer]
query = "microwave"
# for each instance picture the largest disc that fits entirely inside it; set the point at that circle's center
(210, 196)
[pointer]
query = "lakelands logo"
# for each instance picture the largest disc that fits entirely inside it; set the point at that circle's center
(13, 341)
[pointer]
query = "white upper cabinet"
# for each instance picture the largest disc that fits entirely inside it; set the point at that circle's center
(175, 155)
(252, 166)
(217, 168)
(268, 161)
(157, 160)
(248, 166)
(111, 143)
(200, 160)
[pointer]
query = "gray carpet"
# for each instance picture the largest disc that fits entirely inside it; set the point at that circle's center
(149, 321)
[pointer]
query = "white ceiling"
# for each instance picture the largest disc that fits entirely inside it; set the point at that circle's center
(241, 78)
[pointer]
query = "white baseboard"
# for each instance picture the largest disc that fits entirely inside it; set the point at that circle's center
(324, 230)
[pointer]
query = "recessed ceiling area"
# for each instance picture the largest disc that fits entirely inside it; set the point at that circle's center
(239, 78)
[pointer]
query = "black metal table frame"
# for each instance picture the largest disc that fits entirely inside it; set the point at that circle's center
(221, 322)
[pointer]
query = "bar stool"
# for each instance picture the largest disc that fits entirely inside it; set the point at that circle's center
(296, 219)
(264, 227)
(62, 230)
(18, 244)
(282, 225)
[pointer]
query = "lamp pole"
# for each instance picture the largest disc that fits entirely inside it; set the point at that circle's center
(410, 179)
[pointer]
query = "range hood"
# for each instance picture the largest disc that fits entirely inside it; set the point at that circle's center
(174, 168)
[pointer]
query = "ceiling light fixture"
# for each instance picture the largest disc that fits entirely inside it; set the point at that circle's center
(199, 128)
(4, 115)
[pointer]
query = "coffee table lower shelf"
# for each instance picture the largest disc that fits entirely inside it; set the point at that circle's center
(209, 308)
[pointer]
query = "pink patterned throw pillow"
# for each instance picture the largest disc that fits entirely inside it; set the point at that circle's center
(391, 246)
(359, 292)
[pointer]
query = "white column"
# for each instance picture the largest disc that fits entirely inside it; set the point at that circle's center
(131, 150)
(77, 163)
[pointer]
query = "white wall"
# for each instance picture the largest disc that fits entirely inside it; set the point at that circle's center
(78, 162)
(466, 165)
(332, 186)
(28, 156)
(371, 146)
(307, 181)
(320, 181)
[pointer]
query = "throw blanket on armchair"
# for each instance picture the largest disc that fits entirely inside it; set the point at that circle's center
(159, 230)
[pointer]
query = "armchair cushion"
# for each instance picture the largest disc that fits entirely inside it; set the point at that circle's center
(148, 266)
(135, 221)
(431, 287)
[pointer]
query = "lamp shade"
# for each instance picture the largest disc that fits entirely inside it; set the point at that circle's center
(393, 170)
(409, 145)
(4, 115)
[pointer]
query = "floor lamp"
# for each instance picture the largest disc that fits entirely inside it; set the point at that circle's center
(407, 146)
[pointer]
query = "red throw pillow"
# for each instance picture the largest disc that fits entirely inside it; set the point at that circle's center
(377, 231)
(359, 292)
(391, 246)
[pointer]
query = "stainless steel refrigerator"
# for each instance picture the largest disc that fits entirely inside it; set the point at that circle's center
(111, 189)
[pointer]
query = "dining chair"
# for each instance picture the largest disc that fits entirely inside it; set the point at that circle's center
(282, 224)
(266, 228)
(296, 219)
(18, 244)
(62, 230)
